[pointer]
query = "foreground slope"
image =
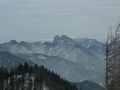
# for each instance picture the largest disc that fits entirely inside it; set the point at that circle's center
(26, 77)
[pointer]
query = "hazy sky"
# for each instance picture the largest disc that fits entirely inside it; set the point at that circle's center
(35, 20)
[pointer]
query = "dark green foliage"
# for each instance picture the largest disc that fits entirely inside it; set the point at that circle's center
(3, 75)
(41, 75)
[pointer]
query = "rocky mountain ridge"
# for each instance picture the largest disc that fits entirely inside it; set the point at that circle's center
(64, 56)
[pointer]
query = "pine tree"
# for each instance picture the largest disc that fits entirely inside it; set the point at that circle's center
(35, 77)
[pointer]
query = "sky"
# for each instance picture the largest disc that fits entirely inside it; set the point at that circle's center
(35, 20)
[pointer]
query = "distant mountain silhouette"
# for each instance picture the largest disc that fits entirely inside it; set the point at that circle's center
(88, 85)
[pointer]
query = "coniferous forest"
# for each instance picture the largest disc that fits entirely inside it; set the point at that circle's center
(25, 77)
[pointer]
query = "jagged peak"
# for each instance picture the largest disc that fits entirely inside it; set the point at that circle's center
(22, 42)
(89, 42)
(13, 42)
(63, 38)
(56, 38)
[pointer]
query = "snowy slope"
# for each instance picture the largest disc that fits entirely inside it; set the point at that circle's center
(75, 61)
(94, 46)
(8, 60)
(71, 71)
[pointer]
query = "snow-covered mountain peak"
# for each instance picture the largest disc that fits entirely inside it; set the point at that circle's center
(13, 42)
(23, 43)
(62, 39)
(72, 56)
(88, 43)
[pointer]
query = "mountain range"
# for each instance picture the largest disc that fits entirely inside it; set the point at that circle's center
(75, 60)
(87, 85)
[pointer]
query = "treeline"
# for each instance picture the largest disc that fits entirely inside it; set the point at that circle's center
(25, 77)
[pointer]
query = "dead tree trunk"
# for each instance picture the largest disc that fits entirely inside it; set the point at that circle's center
(113, 60)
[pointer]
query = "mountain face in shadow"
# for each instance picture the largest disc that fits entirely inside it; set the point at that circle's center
(88, 85)
(9, 60)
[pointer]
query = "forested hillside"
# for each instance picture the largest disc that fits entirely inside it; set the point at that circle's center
(25, 77)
